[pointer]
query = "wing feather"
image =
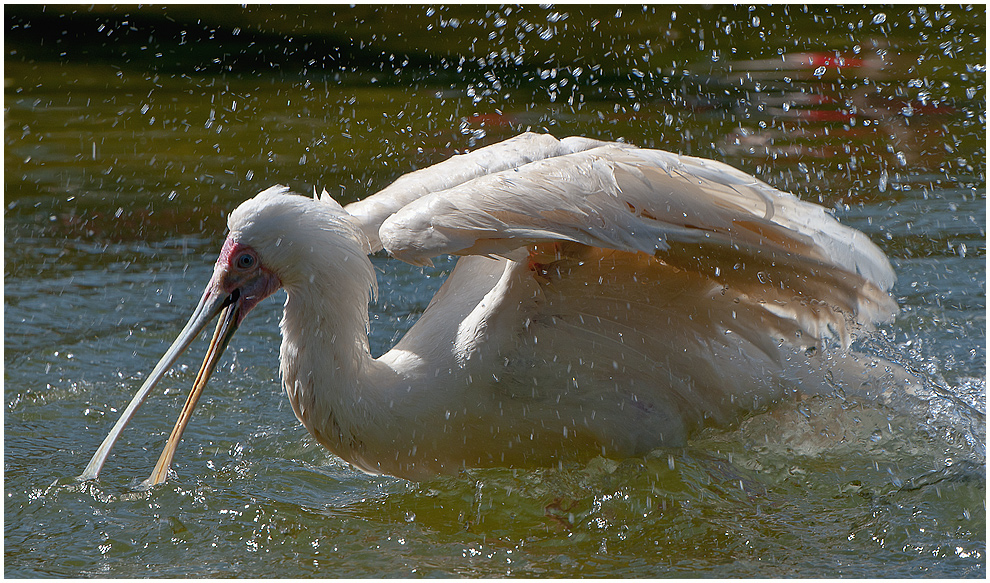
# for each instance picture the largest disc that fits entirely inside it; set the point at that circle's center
(773, 250)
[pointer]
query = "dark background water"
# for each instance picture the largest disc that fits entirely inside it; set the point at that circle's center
(130, 133)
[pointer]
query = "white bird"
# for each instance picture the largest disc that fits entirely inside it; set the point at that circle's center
(608, 300)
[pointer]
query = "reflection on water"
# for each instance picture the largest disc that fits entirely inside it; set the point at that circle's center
(130, 134)
(827, 105)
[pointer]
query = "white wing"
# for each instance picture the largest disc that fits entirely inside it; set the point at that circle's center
(785, 256)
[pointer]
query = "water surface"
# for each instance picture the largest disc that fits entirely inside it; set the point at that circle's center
(129, 134)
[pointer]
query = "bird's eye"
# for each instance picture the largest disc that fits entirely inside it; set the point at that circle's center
(246, 261)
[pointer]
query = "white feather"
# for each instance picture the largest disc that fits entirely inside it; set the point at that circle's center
(611, 299)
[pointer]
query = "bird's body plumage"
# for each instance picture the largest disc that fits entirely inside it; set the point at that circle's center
(608, 300)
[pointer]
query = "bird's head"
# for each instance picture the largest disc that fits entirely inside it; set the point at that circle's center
(280, 239)
(276, 239)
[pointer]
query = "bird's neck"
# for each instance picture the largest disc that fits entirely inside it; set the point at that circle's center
(326, 362)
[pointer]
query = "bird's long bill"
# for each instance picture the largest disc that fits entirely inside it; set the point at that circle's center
(226, 327)
(208, 308)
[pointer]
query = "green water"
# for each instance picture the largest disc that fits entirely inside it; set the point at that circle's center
(129, 134)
